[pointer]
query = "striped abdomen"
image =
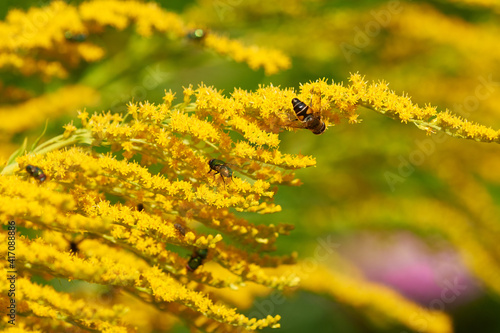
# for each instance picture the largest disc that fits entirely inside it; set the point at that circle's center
(306, 115)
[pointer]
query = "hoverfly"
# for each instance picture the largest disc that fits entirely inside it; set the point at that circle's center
(36, 172)
(196, 259)
(220, 167)
(310, 118)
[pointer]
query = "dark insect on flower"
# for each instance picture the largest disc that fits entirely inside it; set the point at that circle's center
(196, 34)
(221, 168)
(196, 259)
(74, 243)
(310, 118)
(180, 228)
(73, 247)
(36, 172)
(140, 207)
(75, 37)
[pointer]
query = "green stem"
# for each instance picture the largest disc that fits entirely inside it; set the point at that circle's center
(81, 136)
(417, 122)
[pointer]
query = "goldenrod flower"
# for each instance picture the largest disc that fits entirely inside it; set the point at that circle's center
(131, 210)
(379, 98)
(91, 17)
(376, 299)
(36, 111)
(272, 61)
(180, 140)
(45, 302)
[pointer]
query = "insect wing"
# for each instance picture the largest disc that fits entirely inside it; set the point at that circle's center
(296, 123)
(217, 163)
(315, 107)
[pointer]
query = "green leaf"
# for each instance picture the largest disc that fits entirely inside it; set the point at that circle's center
(40, 137)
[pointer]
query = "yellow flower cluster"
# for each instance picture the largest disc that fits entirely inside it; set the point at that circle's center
(52, 41)
(65, 32)
(38, 256)
(138, 232)
(273, 61)
(375, 299)
(34, 112)
(137, 213)
(379, 98)
(178, 140)
(456, 48)
(334, 101)
(45, 302)
(444, 30)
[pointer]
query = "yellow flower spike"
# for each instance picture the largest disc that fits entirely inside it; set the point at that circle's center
(105, 13)
(168, 98)
(191, 125)
(188, 92)
(271, 60)
(377, 298)
(460, 33)
(379, 98)
(190, 236)
(168, 290)
(244, 150)
(223, 222)
(216, 239)
(35, 112)
(90, 52)
(60, 304)
(239, 263)
(136, 247)
(253, 133)
(28, 66)
(210, 101)
(83, 116)
(264, 208)
(65, 36)
(38, 254)
(69, 129)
